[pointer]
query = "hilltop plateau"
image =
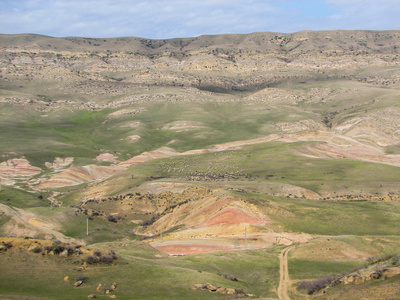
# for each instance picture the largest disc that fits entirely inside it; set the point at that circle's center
(254, 165)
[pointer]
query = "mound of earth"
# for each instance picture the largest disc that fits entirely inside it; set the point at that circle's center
(146, 156)
(210, 211)
(133, 138)
(180, 126)
(108, 157)
(338, 146)
(212, 223)
(18, 167)
(232, 216)
(27, 224)
(77, 175)
(60, 163)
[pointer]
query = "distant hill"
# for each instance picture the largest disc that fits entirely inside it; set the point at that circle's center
(265, 42)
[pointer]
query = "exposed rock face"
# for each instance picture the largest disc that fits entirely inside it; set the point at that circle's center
(78, 283)
(77, 175)
(368, 275)
(234, 62)
(60, 163)
(231, 216)
(146, 156)
(221, 290)
(108, 157)
(18, 167)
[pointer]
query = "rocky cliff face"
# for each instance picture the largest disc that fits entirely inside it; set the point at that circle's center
(235, 62)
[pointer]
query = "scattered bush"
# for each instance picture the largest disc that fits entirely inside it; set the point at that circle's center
(70, 250)
(106, 259)
(112, 219)
(91, 259)
(58, 249)
(113, 255)
(6, 245)
(394, 257)
(315, 285)
(150, 221)
(48, 248)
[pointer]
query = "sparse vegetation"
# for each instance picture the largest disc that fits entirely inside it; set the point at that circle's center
(316, 285)
(285, 134)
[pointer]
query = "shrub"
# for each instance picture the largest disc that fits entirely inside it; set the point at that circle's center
(149, 221)
(112, 254)
(315, 285)
(91, 259)
(58, 249)
(7, 245)
(111, 218)
(106, 259)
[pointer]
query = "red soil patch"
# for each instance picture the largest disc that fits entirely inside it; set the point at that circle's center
(210, 208)
(232, 216)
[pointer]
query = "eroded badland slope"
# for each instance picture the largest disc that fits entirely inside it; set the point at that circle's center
(172, 153)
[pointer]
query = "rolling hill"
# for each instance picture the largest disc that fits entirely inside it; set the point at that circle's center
(199, 161)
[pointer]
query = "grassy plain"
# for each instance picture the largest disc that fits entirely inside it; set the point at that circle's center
(140, 271)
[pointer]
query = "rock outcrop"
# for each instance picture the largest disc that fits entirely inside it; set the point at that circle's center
(77, 175)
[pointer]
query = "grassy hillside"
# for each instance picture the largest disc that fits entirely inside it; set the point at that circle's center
(275, 140)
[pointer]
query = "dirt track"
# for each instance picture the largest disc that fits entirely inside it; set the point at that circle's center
(284, 281)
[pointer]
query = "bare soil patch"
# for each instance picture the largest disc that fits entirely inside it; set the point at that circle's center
(231, 216)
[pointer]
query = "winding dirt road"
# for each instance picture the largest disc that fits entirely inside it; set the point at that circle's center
(284, 281)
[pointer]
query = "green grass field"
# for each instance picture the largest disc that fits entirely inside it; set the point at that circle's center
(139, 272)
